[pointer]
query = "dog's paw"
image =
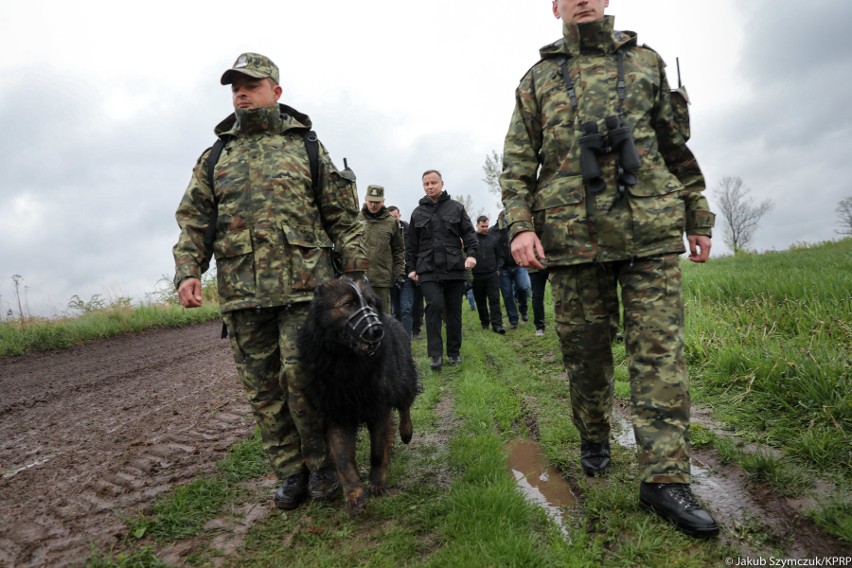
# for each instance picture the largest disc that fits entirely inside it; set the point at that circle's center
(406, 430)
(377, 490)
(356, 506)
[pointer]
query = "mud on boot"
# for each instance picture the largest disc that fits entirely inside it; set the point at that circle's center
(292, 491)
(594, 456)
(323, 483)
(675, 503)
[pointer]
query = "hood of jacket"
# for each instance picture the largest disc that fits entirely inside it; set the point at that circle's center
(287, 118)
(591, 37)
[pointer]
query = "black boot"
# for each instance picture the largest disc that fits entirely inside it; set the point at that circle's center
(675, 503)
(323, 483)
(594, 456)
(292, 492)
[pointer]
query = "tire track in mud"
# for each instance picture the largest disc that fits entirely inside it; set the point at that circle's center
(94, 434)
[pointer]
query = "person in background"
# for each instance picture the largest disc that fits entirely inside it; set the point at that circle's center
(441, 246)
(486, 286)
(410, 298)
(384, 245)
(514, 279)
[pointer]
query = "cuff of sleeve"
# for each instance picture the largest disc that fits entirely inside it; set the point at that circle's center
(519, 227)
(355, 265)
(700, 222)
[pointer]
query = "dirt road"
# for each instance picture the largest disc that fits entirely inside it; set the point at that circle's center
(89, 434)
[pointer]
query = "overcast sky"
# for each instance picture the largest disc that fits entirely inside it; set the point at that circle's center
(105, 107)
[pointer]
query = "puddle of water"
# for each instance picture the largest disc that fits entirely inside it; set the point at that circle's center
(539, 481)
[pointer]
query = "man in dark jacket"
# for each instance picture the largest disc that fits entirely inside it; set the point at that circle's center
(406, 298)
(438, 227)
(514, 279)
(486, 287)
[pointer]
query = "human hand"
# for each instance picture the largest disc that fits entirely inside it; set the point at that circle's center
(413, 276)
(527, 250)
(189, 293)
(469, 263)
(699, 248)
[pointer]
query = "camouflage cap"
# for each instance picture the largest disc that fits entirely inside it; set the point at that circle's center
(254, 65)
(375, 193)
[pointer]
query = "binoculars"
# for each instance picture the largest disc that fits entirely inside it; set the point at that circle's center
(619, 139)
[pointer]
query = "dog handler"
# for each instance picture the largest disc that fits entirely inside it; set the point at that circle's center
(597, 179)
(270, 253)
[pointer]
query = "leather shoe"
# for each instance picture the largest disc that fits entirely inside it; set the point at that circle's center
(292, 492)
(323, 483)
(437, 363)
(594, 456)
(500, 329)
(455, 359)
(675, 503)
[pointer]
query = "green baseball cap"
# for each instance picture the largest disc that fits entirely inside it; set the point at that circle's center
(254, 65)
(375, 193)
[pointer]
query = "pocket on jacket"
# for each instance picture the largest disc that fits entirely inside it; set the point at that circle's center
(455, 258)
(425, 262)
(310, 256)
(658, 218)
(235, 274)
(559, 215)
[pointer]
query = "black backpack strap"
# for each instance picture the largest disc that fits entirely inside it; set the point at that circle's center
(312, 148)
(212, 159)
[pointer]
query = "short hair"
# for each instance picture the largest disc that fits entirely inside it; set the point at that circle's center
(427, 172)
(392, 208)
(481, 218)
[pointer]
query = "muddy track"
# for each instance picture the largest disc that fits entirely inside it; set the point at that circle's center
(97, 432)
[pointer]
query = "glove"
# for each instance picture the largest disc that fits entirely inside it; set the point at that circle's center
(400, 282)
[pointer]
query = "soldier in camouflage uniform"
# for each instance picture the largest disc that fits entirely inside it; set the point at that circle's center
(384, 245)
(622, 225)
(273, 241)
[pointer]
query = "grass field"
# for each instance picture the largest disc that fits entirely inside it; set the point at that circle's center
(769, 339)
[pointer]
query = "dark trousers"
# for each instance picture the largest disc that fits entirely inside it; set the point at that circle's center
(443, 299)
(539, 283)
(487, 287)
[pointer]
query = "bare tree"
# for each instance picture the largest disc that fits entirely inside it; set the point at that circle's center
(467, 201)
(493, 167)
(740, 212)
(844, 212)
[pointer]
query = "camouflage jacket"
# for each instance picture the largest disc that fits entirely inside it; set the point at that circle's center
(436, 234)
(385, 247)
(273, 243)
(541, 183)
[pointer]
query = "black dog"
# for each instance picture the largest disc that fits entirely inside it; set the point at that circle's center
(358, 366)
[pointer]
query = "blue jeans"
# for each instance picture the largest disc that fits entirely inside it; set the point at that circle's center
(515, 280)
(410, 307)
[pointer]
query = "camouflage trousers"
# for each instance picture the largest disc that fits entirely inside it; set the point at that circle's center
(264, 347)
(384, 294)
(585, 301)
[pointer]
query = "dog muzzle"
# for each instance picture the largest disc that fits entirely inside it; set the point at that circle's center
(364, 329)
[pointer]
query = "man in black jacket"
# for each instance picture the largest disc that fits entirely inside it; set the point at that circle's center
(438, 228)
(485, 283)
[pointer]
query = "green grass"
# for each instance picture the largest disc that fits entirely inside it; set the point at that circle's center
(36, 335)
(768, 343)
(769, 340)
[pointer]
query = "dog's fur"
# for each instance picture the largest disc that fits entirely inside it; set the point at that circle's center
(351, 388)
